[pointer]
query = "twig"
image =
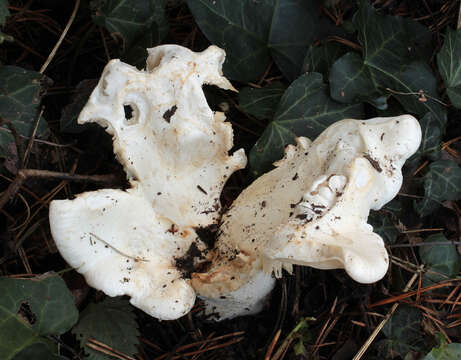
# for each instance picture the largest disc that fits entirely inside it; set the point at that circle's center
(430, 243)
(17, 140)
(383, 322)
(31, 140)
(289, 339)
(23, 174)
(421, 230)
(202, 342)
(422, 96)
(106, 349)
(271, 347)
(61, 38)
(459, 17)
(135, 258)
(409, 294)
(44, 141)
(345, 42)
(106, 49)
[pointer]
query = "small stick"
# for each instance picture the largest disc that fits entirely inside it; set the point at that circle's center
(17, 140)
(61, 38)
(429, 243)
(459, 17)
(383, 322)
(136, 259)
(23, 174)
(31, 140)
(106, 349)
(421, 230)
(271, 347)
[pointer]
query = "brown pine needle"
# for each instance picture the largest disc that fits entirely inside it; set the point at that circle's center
(383, 322)
(106, 349)
(61, 38)
(409, 294)
(271, 347)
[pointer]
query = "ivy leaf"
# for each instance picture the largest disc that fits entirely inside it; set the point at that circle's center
(254, 32)
(31, 309)
(131, 20)
(69, 115)
(261, 103)
(449, 62)
(112, 322)
(445, 352)
(403, 333)
(4, 12)
(242, 29)
(442, 182)
(351, 80)
(321, 58)
(294, 27)
(389, 41)
(383, 226)
(390, 44)
(442, 261)
(38, 351)
(20, 95)
(304, 110)
(414, 78)
(431, 138)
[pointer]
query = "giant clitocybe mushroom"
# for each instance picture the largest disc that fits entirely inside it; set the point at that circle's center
(174, 150)
(311, 210)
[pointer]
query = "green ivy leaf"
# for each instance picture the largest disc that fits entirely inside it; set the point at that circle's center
(131, 20)
(321, 58)
(389, 41)
(38, 351)
(390, 44)
(442, 261)
(304, 110)
(294, 27)
(261, 103)
(383, 226)
(4, 12)
(449, 62)
(253, 32)
(52, 309)
(69, 115)
(403, 333)
(20, 95)
(442, 182)
(112, 322)
(445, 352)
(351, 80)
(431, 138)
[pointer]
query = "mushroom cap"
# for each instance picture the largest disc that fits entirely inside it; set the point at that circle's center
(173, 143)
(372, 153)
(312, 209)
(175, 152)
(122, 247)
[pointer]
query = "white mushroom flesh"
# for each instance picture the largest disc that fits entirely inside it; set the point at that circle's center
(313, 208)
(174, 150)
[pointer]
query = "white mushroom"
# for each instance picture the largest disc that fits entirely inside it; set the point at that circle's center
(121, 246)
(313, 209)
(172, 142)
(174, 150)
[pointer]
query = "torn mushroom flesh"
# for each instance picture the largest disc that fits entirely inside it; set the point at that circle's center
(312, 209)
(174, 150)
